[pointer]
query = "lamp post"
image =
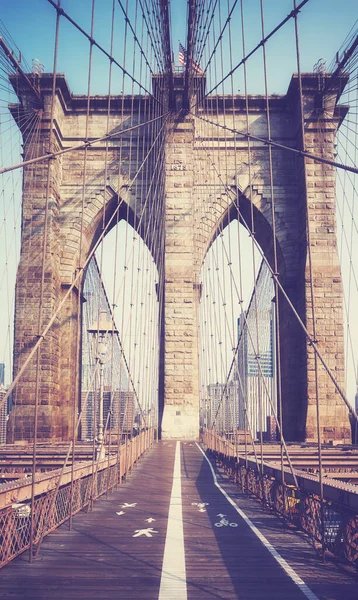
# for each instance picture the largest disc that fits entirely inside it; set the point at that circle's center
(101, 331)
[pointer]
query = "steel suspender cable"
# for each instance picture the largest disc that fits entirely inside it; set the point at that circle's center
(42, 294)
(93, 42)
(252, 224)
(82, 146)
(77, 277)
(256, 48)
(274, 240)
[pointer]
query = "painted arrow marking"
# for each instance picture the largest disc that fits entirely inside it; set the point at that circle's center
(147, 532)
(126, 505)
(221, 515)
(201, 505)
(121, 512)
(150, 520)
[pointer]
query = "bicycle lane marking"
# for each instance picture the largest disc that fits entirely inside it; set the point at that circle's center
(281, 561)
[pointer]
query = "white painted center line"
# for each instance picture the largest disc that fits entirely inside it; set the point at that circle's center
(281, 561)
(173, 579)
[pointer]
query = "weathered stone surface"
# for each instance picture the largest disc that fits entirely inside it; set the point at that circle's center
(196, 160)
(181, 378)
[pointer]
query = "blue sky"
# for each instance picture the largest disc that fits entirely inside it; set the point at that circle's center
(322, 30)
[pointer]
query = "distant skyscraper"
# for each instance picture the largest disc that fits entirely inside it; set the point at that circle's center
(115, 376)
(256, 369)
(123, 409)
(223, 403)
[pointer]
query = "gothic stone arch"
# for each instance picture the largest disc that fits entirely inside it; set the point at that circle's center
(190, 219)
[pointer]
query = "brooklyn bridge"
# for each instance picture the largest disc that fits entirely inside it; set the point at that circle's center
(178, 275)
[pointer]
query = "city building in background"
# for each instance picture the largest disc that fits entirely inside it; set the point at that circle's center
(121, 406)
(221, 406)
(119, 403)
(248, 400)
(257, 397)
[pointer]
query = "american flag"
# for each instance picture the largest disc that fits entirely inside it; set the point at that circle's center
(182, 55)
(182, 58)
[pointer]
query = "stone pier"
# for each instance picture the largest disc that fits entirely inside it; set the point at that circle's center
(304, 203)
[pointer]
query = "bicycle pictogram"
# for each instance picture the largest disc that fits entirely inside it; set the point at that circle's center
(224, 522)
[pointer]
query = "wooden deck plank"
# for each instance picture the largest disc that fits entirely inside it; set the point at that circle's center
(225, 560)
(100, 559)
(329, 581)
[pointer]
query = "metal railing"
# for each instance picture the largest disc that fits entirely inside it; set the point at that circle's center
(333, 524)
(58, 503)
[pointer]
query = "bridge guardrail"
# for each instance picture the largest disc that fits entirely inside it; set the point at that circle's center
(332, 521)
(55, 506)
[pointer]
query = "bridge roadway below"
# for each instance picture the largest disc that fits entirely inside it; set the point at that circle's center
(175, 531)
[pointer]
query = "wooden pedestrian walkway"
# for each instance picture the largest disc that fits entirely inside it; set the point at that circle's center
(175, 531)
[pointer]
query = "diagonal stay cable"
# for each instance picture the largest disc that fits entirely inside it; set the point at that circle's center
(62, 12)
(135, 35)
(261, 373)
(219, 39)
(257, 47)
(268, 142)
(312, 342)
(81, 146)
(78, 275)
(150, 30)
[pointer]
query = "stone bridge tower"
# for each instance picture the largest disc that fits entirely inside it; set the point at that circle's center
(304, 193)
